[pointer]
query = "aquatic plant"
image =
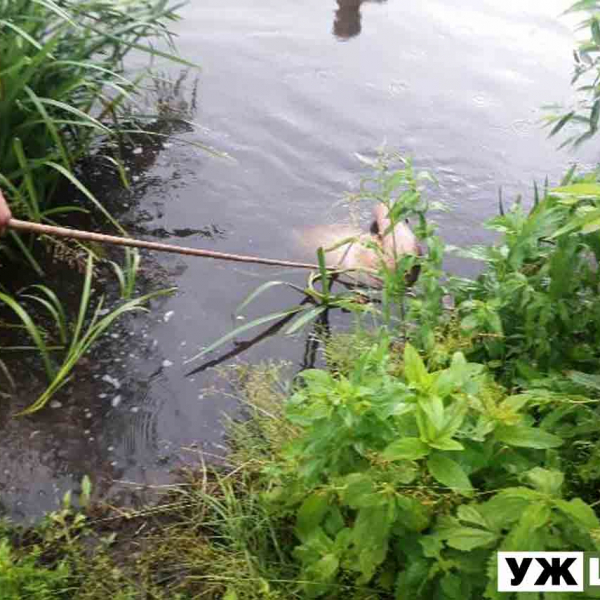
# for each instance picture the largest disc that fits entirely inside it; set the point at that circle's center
(64, 88)
(582, 118)
(76, 338)
(396, 186)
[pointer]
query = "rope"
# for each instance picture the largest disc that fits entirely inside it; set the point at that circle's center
(131, 242)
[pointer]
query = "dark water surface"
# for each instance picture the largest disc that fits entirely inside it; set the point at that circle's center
(291, 90)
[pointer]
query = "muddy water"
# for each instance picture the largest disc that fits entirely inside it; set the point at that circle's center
(291, 90)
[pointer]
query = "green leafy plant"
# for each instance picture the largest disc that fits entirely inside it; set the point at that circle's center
(396, 186)
(64, 89)
(394, 473)
(24, 577)
(541, 277)
(583, 117)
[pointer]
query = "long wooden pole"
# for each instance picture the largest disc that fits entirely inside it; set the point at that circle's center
(77, 234)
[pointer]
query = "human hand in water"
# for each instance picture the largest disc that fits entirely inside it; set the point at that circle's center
(5, 214)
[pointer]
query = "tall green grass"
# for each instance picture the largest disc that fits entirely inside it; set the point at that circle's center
(64, 90)
(75, 338)
(63, 87)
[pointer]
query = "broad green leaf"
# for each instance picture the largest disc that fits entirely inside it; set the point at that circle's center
(449, 473)
(470, 514)
(406, 449)
(371, 534)
(326, 568)
(501, 510)
(414, 368)
(579, 189)
(522, 436)
(452, 587)
(468, 538)
(432, 411)
(357, 487)
(454, 417)
(546, 481)
(579, 511)
(412, 514)
(536, 516)
(446, 443)
(311, 513)
(591, 226)
(432, 546)
(514, 403)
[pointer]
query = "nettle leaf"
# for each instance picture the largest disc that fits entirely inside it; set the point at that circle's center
(528, 534)
(469, 538)
(446, 443)
(414, 368)
(451, 586)
(432, 546)
(502, 511)
(579, 511)
(536, 515)
(409, 448)
(546, 481)
(311, 513)
(522, 436)
(523, 493)
(326, 568)
(371, 535)
(471, 514)
(412, 514)
(360, 491)
(449, 473)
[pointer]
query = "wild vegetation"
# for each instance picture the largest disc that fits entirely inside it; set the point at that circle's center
(405, 465)
(64, 92)
(459, 418)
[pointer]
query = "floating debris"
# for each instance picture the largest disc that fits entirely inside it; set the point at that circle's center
(168, 316)
(116, 401)
(112, 380)
(55, 404)
(167, 363)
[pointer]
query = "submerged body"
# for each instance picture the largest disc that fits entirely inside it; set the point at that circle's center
(364, 254)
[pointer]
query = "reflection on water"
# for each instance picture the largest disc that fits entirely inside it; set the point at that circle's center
(348, 17)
